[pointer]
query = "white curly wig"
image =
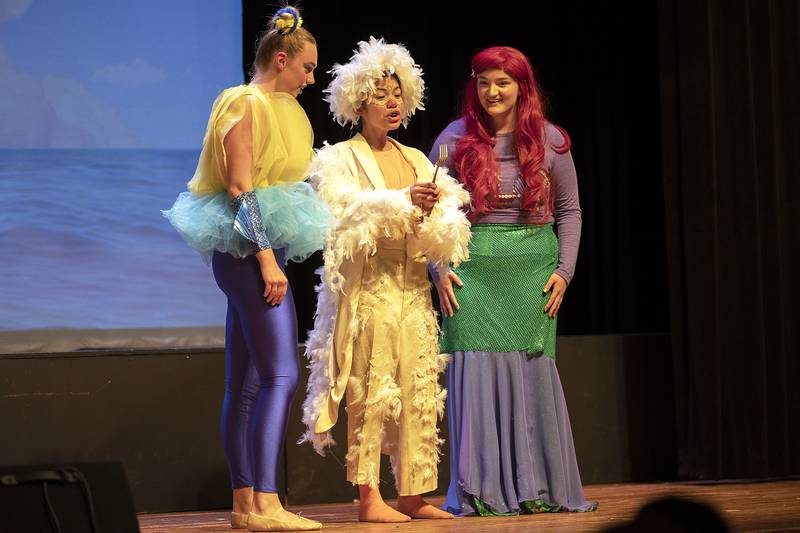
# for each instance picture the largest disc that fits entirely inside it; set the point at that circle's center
(354, 82)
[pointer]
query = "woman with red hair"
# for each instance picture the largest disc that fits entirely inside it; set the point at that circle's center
(511, 448)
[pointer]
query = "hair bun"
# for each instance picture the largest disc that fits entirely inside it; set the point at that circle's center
(287, 20)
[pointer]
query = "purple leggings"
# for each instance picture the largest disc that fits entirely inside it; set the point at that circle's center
(261, 372)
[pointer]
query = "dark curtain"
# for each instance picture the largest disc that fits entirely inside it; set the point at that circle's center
(731, 151)
(597, 63)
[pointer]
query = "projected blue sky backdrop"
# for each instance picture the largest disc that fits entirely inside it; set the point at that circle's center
(103, 107)
(114, 74)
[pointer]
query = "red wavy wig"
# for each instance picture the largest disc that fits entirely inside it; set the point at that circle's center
(474, 157)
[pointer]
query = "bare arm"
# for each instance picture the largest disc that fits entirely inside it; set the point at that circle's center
(238, 145)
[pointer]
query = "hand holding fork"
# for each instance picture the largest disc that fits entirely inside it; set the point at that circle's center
(440, 161)
(425, 194)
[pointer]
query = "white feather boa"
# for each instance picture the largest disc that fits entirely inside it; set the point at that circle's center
(361, 217)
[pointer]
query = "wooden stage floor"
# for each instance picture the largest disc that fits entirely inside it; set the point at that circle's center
(772, 506)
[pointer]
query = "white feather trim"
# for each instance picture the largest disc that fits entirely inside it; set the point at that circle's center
(360, 219)
(318, 351)
(444, 235)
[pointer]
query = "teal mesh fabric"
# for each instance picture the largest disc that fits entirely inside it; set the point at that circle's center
(292, 214)
(501, 302)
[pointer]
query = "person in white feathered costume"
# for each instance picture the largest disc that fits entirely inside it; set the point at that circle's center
(375, 337)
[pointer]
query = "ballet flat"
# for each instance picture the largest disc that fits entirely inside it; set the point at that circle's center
(239, 520)
(257, 522)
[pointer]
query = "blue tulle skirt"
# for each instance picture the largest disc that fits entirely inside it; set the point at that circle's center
(293, 215)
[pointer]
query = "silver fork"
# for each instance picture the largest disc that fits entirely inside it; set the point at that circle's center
(440, 161)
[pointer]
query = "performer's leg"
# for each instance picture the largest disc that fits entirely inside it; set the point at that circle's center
(416, 456)
(367, 399)
(364, 414)
(372, 394)
(270, 334)
(241, 391)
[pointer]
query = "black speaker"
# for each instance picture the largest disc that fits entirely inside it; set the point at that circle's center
(77, 498)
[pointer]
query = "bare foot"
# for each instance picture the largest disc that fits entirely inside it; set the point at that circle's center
(372, 508)
(380, 512)
(416, 507)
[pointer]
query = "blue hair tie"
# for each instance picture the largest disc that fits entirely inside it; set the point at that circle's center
(293, 12)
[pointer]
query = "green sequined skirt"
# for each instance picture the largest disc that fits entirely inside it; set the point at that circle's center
(501, 302)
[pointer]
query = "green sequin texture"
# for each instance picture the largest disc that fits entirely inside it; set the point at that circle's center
(526, 507)
(501, 303)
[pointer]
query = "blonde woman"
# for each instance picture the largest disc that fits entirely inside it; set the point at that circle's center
(249, 211)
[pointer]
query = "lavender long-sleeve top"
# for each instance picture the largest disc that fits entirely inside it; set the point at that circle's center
(563, 185)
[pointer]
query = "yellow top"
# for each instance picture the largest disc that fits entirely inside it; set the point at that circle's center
(397, 172)
(281, 133)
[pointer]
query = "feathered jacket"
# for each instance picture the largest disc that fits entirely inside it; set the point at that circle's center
(347, 177)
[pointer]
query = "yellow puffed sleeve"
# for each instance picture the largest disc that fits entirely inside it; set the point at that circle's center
(282, 139)
(211, 173)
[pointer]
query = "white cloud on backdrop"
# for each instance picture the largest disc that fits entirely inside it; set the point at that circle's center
(11, 9)
(136, 73)
(55, 112)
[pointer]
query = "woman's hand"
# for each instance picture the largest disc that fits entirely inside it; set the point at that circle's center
(559, 287)
(425, 195)
(275, 282)
(447, 297)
